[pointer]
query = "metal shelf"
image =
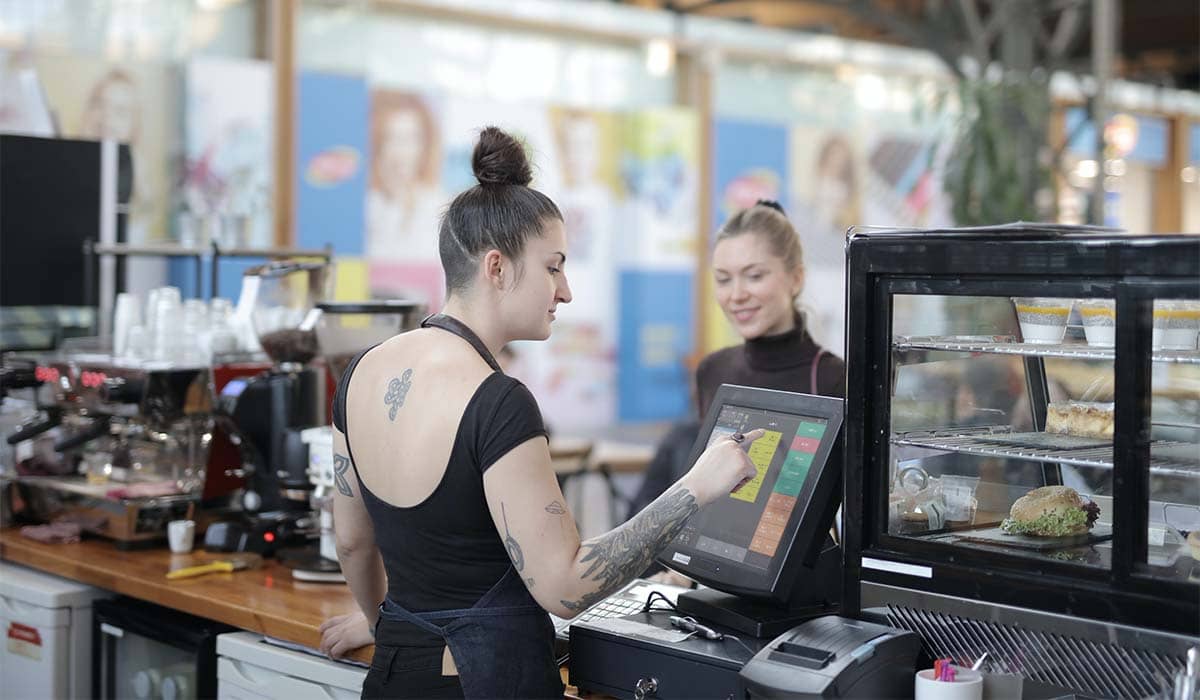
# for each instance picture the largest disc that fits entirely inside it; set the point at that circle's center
(169, 251)
(1075, 351)
(1166, 457)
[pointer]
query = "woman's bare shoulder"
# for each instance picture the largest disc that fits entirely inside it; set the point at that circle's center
(431, 349)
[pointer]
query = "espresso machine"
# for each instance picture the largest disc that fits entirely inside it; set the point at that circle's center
(138, 432)
(343, 330)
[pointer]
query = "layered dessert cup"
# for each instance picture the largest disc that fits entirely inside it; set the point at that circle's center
(1099, 321)
(1043, 320)
(1176, 325)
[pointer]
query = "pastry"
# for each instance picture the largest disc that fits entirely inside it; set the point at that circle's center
(1080, 418)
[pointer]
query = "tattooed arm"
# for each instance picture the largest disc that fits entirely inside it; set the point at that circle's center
(356, 549)
(543, 543)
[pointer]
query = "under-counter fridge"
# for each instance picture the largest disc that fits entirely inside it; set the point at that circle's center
(148, 652)
(47, 624)
(249, 668)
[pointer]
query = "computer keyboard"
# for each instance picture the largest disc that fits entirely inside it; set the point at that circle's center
(629, 600)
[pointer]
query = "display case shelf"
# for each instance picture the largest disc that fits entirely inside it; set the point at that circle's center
(1168, 458)
(1075, 351)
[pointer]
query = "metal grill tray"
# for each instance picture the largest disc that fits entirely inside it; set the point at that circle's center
(1049, 441)
(1166, 457)
(1000, 345)
(994, 535)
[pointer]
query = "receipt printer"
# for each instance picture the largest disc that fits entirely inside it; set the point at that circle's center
(834, 657)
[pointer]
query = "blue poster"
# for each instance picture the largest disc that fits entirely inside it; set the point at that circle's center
(749, 164)
(331, 162)
(654, 338)
(181, 272)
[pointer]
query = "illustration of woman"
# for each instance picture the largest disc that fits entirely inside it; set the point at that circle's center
(403, 198)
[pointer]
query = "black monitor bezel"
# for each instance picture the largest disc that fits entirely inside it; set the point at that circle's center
(807, 531)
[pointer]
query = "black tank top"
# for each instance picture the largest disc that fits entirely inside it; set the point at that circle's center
(444, 552)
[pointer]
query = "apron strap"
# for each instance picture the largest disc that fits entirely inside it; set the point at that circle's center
(457, 327)
(392, 610)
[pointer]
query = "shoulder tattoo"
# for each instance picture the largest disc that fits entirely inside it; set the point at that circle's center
(341, 464)
(396, 392)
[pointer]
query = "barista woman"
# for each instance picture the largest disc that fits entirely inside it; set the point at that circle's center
(452, 531)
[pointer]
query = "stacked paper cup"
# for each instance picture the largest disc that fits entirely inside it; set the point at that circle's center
(166, 337)
(126, 315)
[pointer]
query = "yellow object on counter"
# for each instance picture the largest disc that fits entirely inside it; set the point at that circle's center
(223, 566)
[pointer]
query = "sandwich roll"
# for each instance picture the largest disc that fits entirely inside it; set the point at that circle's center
(1051, 511)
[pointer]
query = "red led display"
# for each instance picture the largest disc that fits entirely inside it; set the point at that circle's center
(46, 374)
(92, 380)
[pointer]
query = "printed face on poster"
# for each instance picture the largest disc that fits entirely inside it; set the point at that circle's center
(404, 196)
(134, 104)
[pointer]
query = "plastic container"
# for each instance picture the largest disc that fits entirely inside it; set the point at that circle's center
(967, 685)
(1176, 325)
(1043, 319)
(1099, 321)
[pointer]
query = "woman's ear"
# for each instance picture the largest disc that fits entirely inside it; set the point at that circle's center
(496, 269)
(797, 282)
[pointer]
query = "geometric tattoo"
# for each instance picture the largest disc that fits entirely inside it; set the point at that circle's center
(340, 466)
(510, 543)
(621, 554)
(396, 391)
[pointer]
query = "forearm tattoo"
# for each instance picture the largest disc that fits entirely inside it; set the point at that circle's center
(556, 508)
(341, 464)
(396, 392)
(510, 543)
(618, 556)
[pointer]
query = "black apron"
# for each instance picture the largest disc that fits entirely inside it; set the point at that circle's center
(503, 645)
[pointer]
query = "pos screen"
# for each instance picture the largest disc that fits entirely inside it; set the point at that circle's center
(744, 541)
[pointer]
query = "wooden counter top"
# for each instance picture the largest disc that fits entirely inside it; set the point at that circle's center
(266, 600)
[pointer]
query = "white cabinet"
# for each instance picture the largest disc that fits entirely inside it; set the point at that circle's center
(250, 669)
(47, 624)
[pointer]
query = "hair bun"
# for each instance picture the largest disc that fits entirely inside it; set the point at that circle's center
(772, 204)
(499, 159)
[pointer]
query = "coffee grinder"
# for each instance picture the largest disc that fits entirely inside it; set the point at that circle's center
(271, 409)
(344, 330)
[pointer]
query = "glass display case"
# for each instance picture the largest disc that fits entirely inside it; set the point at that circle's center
(1023, 421)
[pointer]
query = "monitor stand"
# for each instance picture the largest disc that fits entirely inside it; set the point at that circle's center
(817, 592)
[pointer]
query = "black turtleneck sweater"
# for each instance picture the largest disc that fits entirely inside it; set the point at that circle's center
(783, 362)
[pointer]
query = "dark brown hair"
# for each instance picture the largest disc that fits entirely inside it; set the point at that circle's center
(501, 212)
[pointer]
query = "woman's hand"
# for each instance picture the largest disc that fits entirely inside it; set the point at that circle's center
(722, 468)
(672, 579)
(342, 634)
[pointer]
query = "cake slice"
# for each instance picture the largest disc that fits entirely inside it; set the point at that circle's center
(1080, 418)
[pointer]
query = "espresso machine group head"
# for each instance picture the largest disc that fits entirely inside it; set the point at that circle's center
(146, 428)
